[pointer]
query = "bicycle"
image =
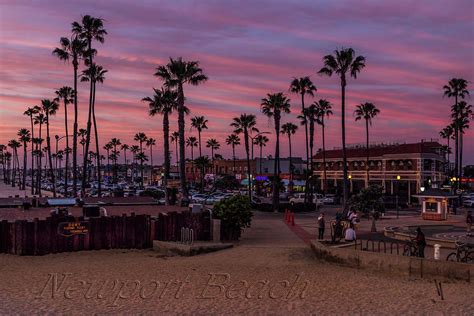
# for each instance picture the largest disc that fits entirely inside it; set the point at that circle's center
(410, 249)
(463, 253)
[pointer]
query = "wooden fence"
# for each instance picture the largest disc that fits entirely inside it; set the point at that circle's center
(41, 237)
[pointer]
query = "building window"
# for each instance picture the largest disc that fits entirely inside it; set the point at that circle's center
(431, 207)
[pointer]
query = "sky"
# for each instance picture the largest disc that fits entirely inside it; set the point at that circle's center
(247, 49)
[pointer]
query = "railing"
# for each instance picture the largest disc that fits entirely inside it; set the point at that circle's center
(379, 246)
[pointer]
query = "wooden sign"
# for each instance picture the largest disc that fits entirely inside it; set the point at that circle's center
(68, 229)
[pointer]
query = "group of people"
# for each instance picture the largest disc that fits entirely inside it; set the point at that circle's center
(349, 234)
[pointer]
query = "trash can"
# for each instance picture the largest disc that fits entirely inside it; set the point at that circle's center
(437, 251)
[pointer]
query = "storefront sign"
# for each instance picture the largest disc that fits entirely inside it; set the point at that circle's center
(68, 229)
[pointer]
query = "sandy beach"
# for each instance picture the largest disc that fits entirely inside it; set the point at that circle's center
(271, 271)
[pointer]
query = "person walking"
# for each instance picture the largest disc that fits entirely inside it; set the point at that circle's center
(420, 242)
(468, 223)
(321, 226)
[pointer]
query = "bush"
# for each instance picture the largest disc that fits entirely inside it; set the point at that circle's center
(153, 193)
(235, 213)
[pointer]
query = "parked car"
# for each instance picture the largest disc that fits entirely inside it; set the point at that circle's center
(468, 203)
(299, 198)
(199, 198)
(329, 199)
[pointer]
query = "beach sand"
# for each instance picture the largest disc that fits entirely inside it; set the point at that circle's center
(280, 272)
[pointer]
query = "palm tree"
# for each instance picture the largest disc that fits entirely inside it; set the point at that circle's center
(125, 147)
(176, 74)
(72, 49)
(50, 108)
(164, 102)
(108, 147)
(461, 114)
(66, 94)
(311, 115)
(192, 142)
(199, 123)
(24, 137)
(366, 111)
(303, 86)
(175, 139)
(202, 162)
(82, 133)
(141, 138)
(115, 142)
(261, 141)
(233, 140)
(245, 124)
(39, 119)
(14, 145)
(289, 129)
(135, 149)
(214, 145)
(324, 108)
(343, 61)
(88, 30)
(447, 133)
(94, 74)
(3, 161)
(150, 143)
(31, 112)
(273, 106)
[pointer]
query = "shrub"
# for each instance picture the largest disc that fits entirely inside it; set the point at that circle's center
(153, 193)
(235, 213)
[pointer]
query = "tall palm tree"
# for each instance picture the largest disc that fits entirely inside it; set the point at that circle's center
(90, 29)
(199, 123)
(24, 137)
(213, 144)
(192, 142)
(366, 111)
(40, 119)
(50, 108)
(344, 62)
(303, 86)
(447, 133)
(202, 162)
(135, 149)
(457, 89)
(233, 140)
(150, 143)
(324, 108)
(66, 94)
(311, 115)
(176, 74)
(125, 147)
(246, 124)
(83, 134)
(94, 74)
(261, 141)
(164, 102)
(461, 114)
(141, 138)
(72, 49)
(31, 112)
(3, 161)
(273, 106)
(108, 147)
(14, 145)
(115, 142)
(175, 139)
(289, 129)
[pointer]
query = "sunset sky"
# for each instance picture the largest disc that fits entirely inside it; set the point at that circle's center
(247, 49)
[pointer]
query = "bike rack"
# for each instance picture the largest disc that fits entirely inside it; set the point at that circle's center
(187, 236)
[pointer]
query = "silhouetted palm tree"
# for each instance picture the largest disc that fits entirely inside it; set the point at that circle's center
(304, 86)
(447, 133)
(39, 119)
(108, 147)
(135, 149)
(461, 114)
(141, 138)
(65, 94)
(50, 108)
(175, 139)
(72, 49)
(199, 123)
(324, 109)
(343, 62)
(261, 141)
(150, 143)
(273, 106)
(233, 140)
(115, 142)
(164, 102)
(24, 137)
(289, 129)
(366, 111)
(91, 29)
(125, 147)
(14, 145)
(82, 133)
(31, 112)
(213, 144)
(176, 74)
(245, 124)
(192, 142)
(3, 162)
(202, 163)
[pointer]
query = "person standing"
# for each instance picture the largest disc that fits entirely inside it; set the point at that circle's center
(468, 223)
(420, 242)
(321, 226)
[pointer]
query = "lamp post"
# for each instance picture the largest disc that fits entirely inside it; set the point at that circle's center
(396, 197)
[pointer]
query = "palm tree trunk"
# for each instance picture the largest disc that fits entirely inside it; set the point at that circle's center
(166, 145)
(32, 157)
(367, 151)
(182, 154)
(74, 144)
(67, 150)
(39, 164)
(291, 163)
(199, 136)
(24, 165)
(307, 147)
(344, 153)
(48, 141)
(460, 154)
(88, 128)
(449, 167)
(97, 147)
(324, 158)
(311, 146)
(456, 133)
(276, 193)
(233, 157)
(247, 151)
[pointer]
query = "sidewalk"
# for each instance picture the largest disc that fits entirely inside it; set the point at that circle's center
(6, 190)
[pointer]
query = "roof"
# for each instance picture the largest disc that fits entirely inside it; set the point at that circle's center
(380, 150)
(435, 193)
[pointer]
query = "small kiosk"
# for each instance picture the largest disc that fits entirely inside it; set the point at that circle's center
(434, 203)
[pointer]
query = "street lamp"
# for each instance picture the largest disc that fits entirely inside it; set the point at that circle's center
(396, 197)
